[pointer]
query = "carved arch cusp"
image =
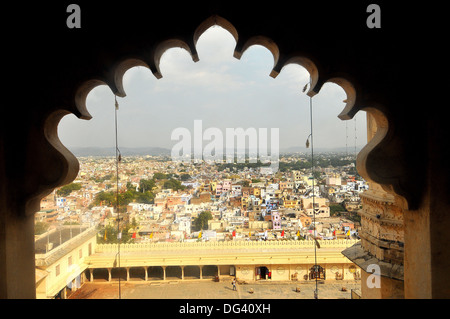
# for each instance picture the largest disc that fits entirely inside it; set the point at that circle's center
(310, 67)
(264, 41)
(169, 44)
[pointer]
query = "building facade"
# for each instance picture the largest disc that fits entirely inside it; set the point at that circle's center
(61, 260)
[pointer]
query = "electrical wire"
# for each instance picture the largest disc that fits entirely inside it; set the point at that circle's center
(316, 269)
(118, 158)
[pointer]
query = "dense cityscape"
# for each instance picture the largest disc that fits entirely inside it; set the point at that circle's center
(164, 201)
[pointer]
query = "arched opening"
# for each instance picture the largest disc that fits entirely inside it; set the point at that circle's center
(181, 75)
(263, 40)
(181, 72)
(155, 273)
(263, 273)
(173, 273)
(137, 273)
(255, 106)
(210, 271)
(118, 274)
(34, 163)
(99, 274)
(191, 272)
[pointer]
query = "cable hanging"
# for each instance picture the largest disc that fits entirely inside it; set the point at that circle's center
(118, 159)
(316, 243)
(355, 139)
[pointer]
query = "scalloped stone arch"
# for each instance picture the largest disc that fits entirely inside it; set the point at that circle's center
(318, 79)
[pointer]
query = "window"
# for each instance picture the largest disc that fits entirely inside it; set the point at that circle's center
(69, 261)
(80, 253)
(57, 271)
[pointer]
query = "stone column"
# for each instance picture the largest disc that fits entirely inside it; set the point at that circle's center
(164, 272)
(91, 272)
(17, 261)
(427, 257)
(146, 273)
(128, 273)
(380, 253)
(201, 272)
(109, 274)
(182, 272)
(64, 293)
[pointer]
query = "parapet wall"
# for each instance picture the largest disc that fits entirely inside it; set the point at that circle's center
(227, 245)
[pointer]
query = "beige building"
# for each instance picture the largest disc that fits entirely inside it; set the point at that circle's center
(321, 207)
(60, 260)
(67, 257)
(246, 260)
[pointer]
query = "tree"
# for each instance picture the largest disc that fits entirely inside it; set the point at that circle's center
(245, 183)
(107, 198)
(67, 189)
(146, 185)
(130, 186)
(185, 177)
(201, 222)
(145, 198)
(336, 208)
(158, 175)
(173, 184)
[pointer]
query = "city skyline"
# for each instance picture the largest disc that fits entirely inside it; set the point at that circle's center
(221, 91)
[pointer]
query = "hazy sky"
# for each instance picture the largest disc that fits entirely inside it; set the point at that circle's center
(220, 90)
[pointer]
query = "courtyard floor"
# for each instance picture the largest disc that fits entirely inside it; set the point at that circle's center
(201, 289)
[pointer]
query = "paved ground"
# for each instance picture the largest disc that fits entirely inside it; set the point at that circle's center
(213, 290)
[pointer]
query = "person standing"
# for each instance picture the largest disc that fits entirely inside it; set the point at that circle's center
(234, 284)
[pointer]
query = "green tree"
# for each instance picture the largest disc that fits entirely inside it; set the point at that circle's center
(67, 189)
(158, 175)
(146, 185)
(107, 198)
(173, 184)
(130, 186)
(145, 198)
(185, 177)
(336, 208)
(201, 222)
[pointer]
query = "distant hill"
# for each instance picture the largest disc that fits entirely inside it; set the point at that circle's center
(154, 151)
(125, 151)
(302, 149)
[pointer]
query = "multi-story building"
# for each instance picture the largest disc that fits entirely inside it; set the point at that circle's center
(276, 220)
(61, 260)
(320, 209)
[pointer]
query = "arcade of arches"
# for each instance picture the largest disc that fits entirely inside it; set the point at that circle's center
(152, 273)
(405, 220)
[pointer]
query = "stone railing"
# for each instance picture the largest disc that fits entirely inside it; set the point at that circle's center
(226, 245)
